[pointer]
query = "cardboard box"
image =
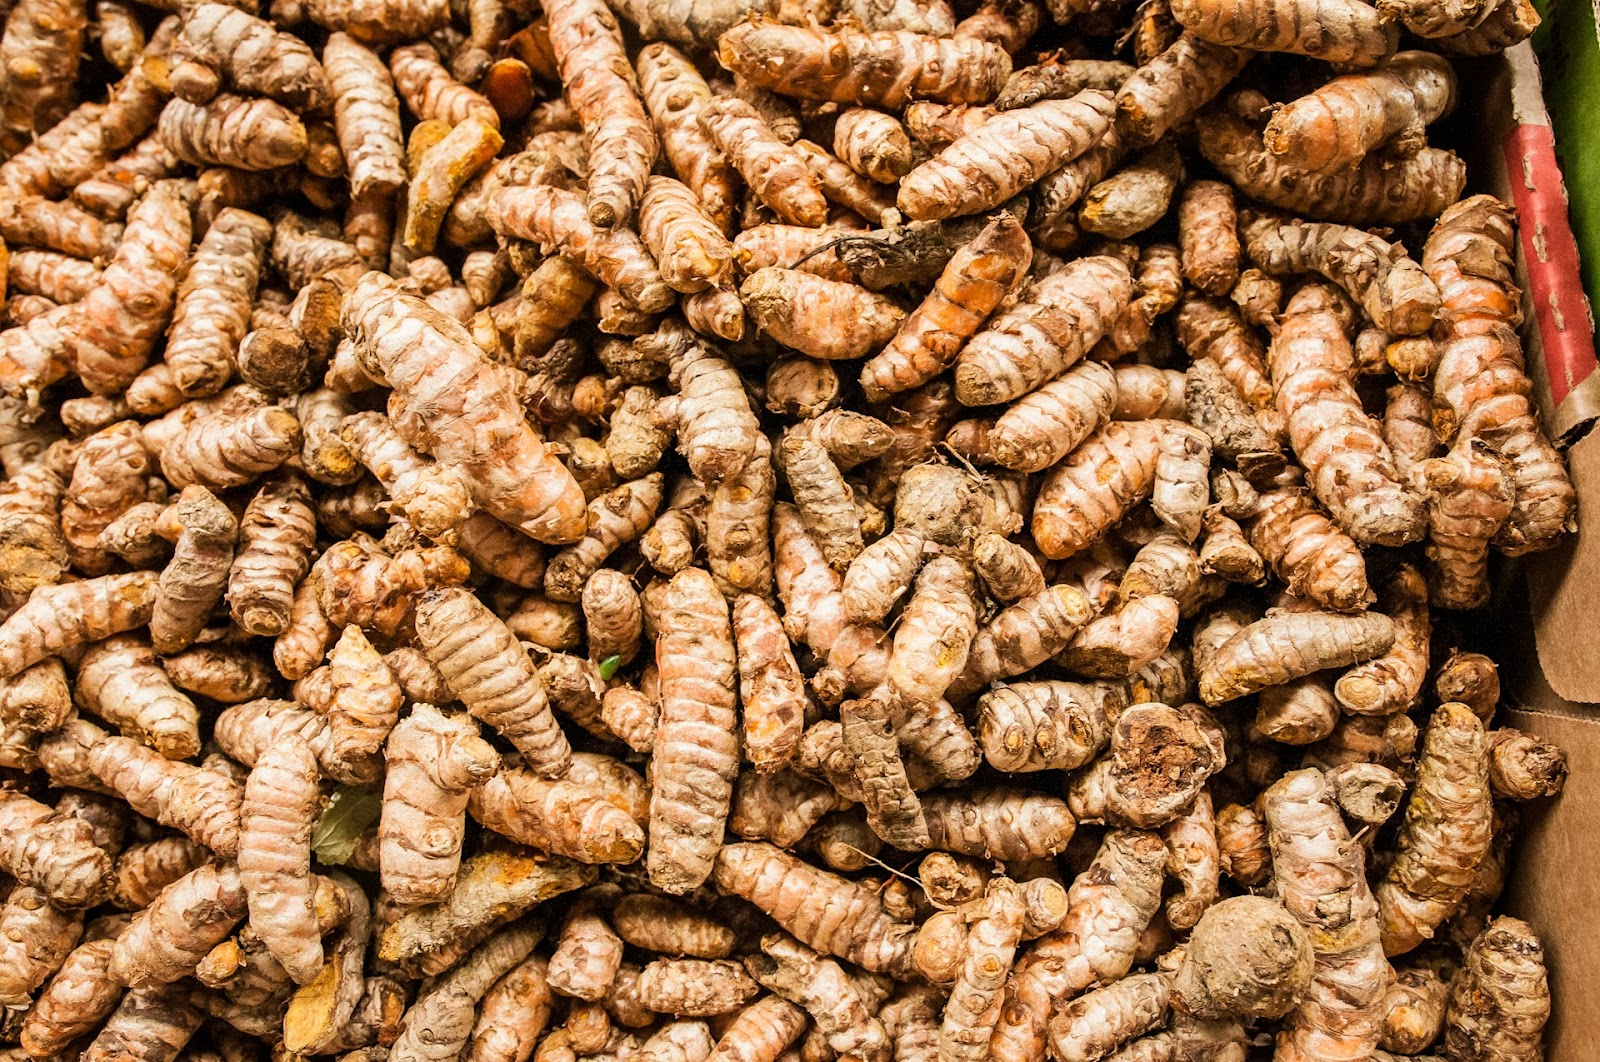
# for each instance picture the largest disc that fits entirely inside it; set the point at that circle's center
(1548, 608)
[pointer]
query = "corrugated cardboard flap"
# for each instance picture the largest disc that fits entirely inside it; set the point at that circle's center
(1554, 885)
(1564, 589)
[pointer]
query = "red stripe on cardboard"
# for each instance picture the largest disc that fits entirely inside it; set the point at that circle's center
(1555, 288)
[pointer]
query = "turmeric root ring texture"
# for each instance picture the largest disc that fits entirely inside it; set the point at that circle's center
(877, 530)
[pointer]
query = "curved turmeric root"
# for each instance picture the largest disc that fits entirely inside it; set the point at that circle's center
(974, 282)
(1350, 116)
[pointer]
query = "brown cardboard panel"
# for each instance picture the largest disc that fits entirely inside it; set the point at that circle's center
(1564, 590)
(1555, 885)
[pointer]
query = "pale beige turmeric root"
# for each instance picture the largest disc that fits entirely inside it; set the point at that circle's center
(1374, 191)
(221, 43)
(488, 671)
(1095, 1023)
(167, 940)
(35, 939)
(120, 680)
(1023, 636)
(574, 817)
(1247, 955)
(60, 617)
(199, 802)
(1315, 860)
(1287, 645)
(1396, 293)
(675, 93)
(33, 546)
(1334, 30)
(1479, 388)
(366, 114)
(203, 532)
(822, 318)
(774, 170)
(1348, 465)
(431, 93)
(77, 999)
(587, 46)
(433, 762)
(857, 928)
(230, 446)
(280, 806)
(615, 518)
(276, 536)
(993, 925)
(53, 853)
(771, 686)
(696, 748)
(1309, 552)
(1097, 484)
(421, 354)
(935, 633)
(107, 337)
(1044, 725)
(1004, 156)
(1392, 682)
(1500, 1000)
(1109, 905)
(846, 65)
(244, 132)
(824, 990)
(1446, 831)
(1159, 758)
(588, 952)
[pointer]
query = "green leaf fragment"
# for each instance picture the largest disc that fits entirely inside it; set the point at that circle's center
(608, 667)
(349, 814)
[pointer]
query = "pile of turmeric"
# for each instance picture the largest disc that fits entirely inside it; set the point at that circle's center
(721, 530)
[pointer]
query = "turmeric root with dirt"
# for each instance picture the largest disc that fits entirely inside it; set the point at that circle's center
(721, 530)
